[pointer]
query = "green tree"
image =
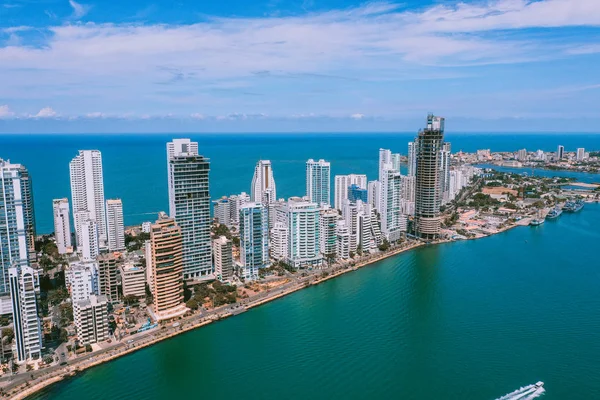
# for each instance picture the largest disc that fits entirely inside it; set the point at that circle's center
(66, 314)
(15, 368)
(192, 304)
(88, 348)
(385, 246)
(9, 334)
(48, 359)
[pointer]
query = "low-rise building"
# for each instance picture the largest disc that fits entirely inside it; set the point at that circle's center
(133, 280)
(91, 319)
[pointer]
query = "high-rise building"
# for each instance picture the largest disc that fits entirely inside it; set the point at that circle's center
(236, 202)
(222, 253)
(263, 188)
(445, 171)
(580, 154)
(343, 240)
(88, 240)
(408, 194)
(87, 191)
(318, 181)
(254, 239)
(390, 202)
(189, 204)
(24, 291)
(91, 319)
(28, 210)
(107, 276)
(14, 230)
(373, 192)
(412, 159)
(146, 227)
(222, 211)
(133, 279)
(342, 183)
(166, 241)
(521, 155)
(329, 218)
(357, 193)
(427, 221)
(62, 225)
(279, 241)
(82, 280)
(304, 239)
(560, 152)
(114, 225)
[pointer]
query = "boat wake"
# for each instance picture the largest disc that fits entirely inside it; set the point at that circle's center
(525, 393)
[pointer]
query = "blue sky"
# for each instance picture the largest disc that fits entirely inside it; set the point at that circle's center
(295, 65)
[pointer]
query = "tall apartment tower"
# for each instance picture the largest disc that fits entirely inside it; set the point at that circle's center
(318, 181)
(329, 218)
(189, 205)
(114, 225)
(445, 171)
(304, 239)
(107, 276)
(24, 290)
(342, 183)
(62, 225)
(14, 229)
(88, 243)
(412, 158)
(92, 319)
(28, 210)
(560, 152)
(254, 239)
(222, 253)
(87, 192)
(427, 186)
(166, 249)
(263, 188)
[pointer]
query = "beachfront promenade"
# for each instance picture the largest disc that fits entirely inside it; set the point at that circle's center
(25, 384)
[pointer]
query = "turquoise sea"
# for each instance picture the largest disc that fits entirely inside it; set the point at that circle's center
(135, 165)
(465, 320)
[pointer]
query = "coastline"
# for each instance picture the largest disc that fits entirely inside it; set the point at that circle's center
(24, 391)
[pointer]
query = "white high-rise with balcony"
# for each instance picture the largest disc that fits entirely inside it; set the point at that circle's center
(24, 290)
(318, 181)
(254, 239)
(87, 191)
(342, 182)
(114, 224)
(62, 225)
(304, 239)
(263, 188)
(89, 247)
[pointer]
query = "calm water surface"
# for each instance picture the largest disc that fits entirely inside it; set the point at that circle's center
(465, 320)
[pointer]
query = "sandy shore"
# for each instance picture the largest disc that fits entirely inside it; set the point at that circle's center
(24, 390)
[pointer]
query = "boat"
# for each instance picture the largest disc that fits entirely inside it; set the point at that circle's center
(554, 213)
(539, 384)
(538, 220)
(573, 206)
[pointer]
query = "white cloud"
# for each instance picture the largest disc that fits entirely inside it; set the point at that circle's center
(357, 116)
(96, 114)
(46, 112)
(109, 63)
(5, 112)
(198, 116)
(79, 10)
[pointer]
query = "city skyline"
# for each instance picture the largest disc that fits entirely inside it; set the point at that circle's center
(506, 65)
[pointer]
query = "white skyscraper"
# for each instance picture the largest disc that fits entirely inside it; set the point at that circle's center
(580, 154)
(114, 225)
(318, 181)
(82, 280)
(254, 239)
(89, 247)
(412, 159)
(329, 218)
(343, 240)
(390, 201)
(189, 205)
(263, 184)
(279, 241)
(342, 182)
(62, 225)
(236, 202)
(373, 192)
(24, 290)
(304, 239)
(445, 171)
(223, 258)
(87, 191)
(222, 211)
(13, 226)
